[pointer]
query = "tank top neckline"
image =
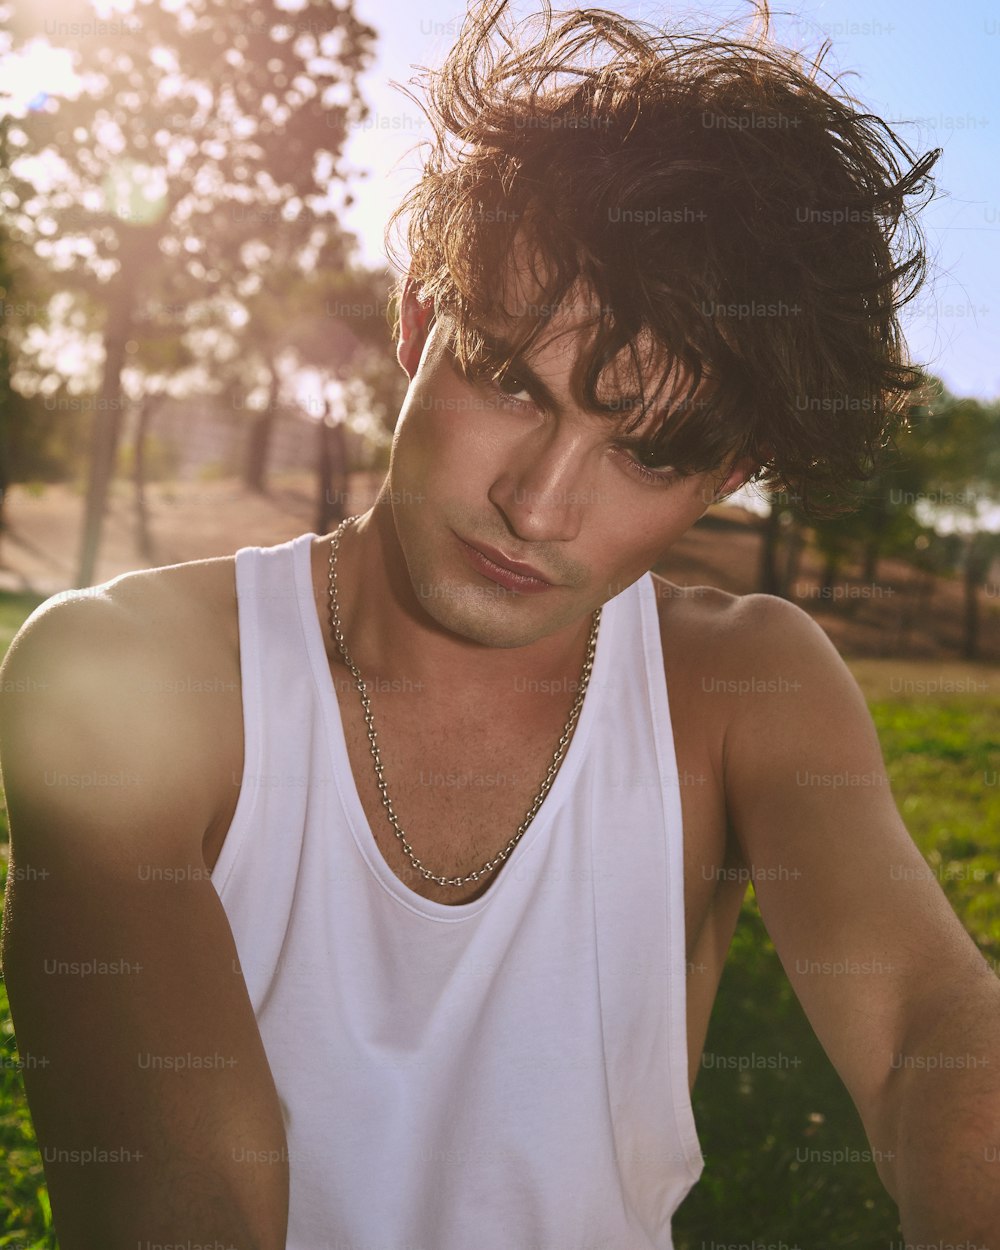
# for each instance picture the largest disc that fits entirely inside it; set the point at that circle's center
(347, 787)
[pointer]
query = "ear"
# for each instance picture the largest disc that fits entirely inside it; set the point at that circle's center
(415, 320)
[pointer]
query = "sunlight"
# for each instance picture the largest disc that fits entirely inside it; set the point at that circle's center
(32, 75)
(112, 8)
(135, 192)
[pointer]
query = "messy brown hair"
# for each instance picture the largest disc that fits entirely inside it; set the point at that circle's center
(715, 199)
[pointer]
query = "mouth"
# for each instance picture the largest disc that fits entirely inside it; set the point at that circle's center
(515, 569)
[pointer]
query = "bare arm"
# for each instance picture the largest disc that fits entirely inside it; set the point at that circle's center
(904, 1004)
(152, 1099)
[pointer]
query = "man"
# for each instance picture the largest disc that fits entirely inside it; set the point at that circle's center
(358, 895)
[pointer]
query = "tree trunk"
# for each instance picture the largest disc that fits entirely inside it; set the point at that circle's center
(107, 420)
(339, 477)
(259, 442)
(142, 539)
(976, 563)
(7, 402)
(830, 570)
(873, 550)
(914, 606)
(770, 583)
(5, 473)
(878, 521)
(970, 640)
(331, 473)
(6, 409)
(796, 543)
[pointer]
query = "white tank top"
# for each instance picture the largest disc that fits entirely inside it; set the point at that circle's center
(505, 1073)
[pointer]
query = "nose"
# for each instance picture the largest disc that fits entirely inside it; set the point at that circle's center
(542, 488)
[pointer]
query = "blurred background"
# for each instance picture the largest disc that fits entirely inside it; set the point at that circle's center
(195, 355)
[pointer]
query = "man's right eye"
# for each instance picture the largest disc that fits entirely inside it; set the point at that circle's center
(507, 386)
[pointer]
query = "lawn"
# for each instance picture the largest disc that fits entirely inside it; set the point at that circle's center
(24, 1204)
(786, 1158)
(761, 1131)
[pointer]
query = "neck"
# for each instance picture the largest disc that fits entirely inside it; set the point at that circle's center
(392, 637)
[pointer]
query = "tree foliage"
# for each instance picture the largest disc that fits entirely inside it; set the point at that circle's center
(206, 135)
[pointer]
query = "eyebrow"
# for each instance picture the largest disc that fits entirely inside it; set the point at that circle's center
(498, 348)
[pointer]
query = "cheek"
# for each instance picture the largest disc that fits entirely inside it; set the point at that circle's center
(438, 434)
(418, 444)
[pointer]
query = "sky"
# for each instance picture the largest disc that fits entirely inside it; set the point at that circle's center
(916, 62)
(936, 66)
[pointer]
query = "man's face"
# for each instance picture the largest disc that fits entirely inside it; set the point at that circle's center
(539, 480)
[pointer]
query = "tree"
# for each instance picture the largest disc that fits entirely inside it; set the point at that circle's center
(962, 452)
(363, 385)
(161, 365)
(779, 528)
(202, 133)
(8, 398)
(330, 330)
(944, 481)
(22, 302)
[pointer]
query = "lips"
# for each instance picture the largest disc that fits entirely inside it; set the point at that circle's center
(514, 566)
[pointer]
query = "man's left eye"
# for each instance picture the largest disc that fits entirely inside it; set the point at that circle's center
(649, 458)
(511, 384)
(655, 472)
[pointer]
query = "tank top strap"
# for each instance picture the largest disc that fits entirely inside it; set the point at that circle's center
(638, 879)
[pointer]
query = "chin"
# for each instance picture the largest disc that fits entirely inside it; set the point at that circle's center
(459, 601)
(480, 614)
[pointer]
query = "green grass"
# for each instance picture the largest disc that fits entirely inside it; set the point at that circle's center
(25, 1219)
(756, 1128)
(14, 609)
(943, 755)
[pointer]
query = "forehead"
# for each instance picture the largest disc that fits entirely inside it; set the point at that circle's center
(565, 339)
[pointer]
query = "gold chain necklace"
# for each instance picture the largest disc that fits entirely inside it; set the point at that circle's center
(553, 768)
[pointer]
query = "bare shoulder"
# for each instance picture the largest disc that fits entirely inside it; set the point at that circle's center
(739, 663)
(164, 614)
(120, 711)
(199, 592)
(129, 681)
(732, 630)
(700, 607)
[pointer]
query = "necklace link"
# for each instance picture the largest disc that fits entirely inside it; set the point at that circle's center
(553, 768)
